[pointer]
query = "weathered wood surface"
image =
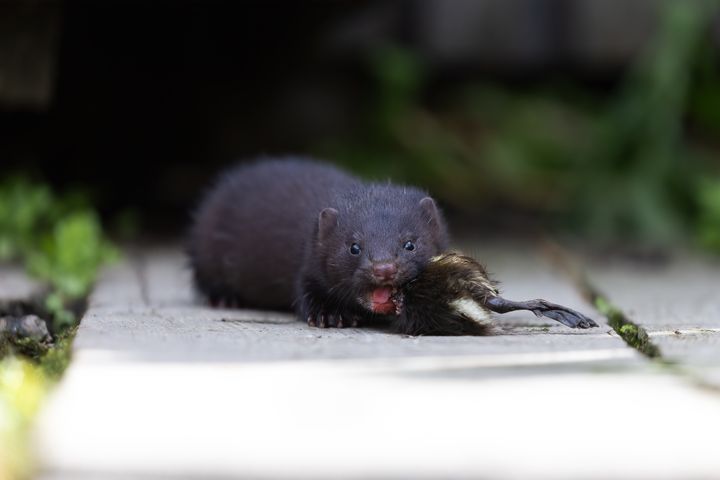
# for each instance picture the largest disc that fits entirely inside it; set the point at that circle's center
(145, 309)
(681, 294)
(678, 303)
(163, 387)
(16, 286)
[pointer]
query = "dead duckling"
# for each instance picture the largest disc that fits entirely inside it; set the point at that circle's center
(455, 296)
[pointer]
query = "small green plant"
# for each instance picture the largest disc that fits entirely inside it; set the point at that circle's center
(54, 362)
(629, 331)
(58, 238)
(632, 334)
(69, 258)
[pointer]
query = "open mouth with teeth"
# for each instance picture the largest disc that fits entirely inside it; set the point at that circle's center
(386, 300)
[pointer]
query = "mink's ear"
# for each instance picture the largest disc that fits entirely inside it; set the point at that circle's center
(431, 212)
(327, 222)
(435, 222)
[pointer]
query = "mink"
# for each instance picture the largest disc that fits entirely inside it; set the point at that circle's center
(454, 295)
(292, 232)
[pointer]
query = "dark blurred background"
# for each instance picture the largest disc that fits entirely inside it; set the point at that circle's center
(593, 119)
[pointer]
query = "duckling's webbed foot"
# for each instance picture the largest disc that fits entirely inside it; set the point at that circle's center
(542, 308)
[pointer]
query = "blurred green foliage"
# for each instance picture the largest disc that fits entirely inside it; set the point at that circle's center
(641, 169)
(631, 166)
(708, 227)
(23, 386)
(22, 208)
(69, 258)
(60, 241)
(58, 238)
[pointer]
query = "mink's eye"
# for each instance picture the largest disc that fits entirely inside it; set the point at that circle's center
(409, 246)
(355, 249)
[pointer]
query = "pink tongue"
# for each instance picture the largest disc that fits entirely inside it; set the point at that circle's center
(381, 295)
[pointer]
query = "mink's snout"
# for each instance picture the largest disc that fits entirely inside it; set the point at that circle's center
(384, 271)
(382, 296)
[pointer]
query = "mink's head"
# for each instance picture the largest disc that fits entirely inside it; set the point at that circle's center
(376, 243)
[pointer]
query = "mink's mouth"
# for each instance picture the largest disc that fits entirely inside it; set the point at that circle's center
(386, 300)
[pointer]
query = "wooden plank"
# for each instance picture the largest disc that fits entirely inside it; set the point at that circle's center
(679, 305)
(163, 386)
(16, 285)
(166, 322)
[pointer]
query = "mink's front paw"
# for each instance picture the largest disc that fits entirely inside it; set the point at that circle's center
(321, 319)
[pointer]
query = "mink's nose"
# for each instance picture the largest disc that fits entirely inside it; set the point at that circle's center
(384, 271)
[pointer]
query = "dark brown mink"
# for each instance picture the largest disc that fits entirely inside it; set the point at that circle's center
(454, 295)
(294, 232)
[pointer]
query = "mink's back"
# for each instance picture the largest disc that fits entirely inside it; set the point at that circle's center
(248, 240)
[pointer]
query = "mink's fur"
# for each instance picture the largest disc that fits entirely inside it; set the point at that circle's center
(277, 233)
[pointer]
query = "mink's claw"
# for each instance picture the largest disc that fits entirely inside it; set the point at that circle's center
(317, 320)
(348, 320)
(334, 320)
(223, 302)
(325, 320)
